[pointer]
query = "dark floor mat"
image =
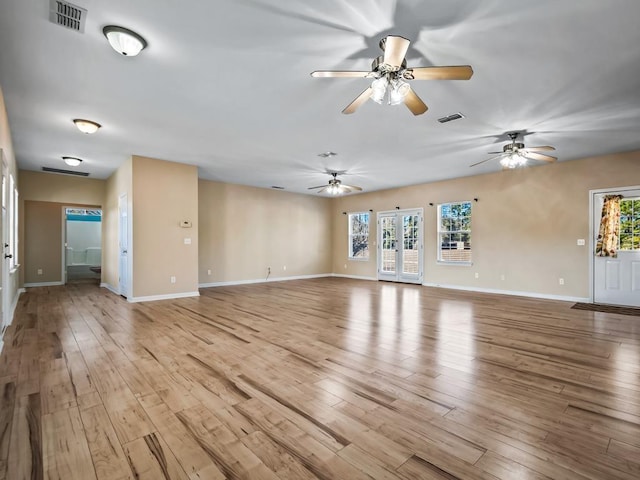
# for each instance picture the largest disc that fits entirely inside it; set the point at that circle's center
(598, 307)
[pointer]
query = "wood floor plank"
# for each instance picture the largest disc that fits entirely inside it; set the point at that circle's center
(25, 454)
(106, 452)
(64, 445)
(151, 459)
(384, 381)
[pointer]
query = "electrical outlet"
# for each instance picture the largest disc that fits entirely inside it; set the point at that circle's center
(345, 265)
(39, 271)
(208, 272)
(477, 275)
(561, 281)
(268, 270)
(580, 242)
(173, 279)
(502, 277)
(284, 267)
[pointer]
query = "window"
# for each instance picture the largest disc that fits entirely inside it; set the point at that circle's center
(454, 232)
(630, 224)
(359, 236)
(13, 223)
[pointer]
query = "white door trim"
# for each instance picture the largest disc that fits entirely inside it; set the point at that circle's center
(592, 227)
(400, 258)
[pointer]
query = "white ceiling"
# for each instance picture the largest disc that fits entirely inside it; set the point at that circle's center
(225, 85)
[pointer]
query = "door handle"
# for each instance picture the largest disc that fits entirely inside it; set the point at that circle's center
(8, 255)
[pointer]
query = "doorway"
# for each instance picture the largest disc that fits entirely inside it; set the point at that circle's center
(400, 246)
(616, 280)
(82, 259)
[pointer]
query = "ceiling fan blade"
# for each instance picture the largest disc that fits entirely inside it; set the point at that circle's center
(360, 99)
(538, 156)
(414, 103)
(352, 188)
(458, 72)
(539, 149)
(486, 160)
(324, 189)
(395, 48)
(319, 186)
(494, 153)
(340, 74)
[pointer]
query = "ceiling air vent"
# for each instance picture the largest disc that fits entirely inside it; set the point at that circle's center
(454, 116)
(65, 172)
(67, 15)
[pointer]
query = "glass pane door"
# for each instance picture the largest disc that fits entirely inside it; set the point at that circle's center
(400, 250)
(411, 245)
(389, 244)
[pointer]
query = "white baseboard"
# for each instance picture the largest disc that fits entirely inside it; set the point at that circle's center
(168, 296)
(544, 296)
(12, 311)
(43, 284)
(263, 280)
(110, 287)
(355, 277)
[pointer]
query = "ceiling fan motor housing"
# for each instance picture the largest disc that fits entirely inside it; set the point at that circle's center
(512, 147)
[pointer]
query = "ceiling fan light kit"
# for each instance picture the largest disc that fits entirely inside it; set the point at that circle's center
(515, 154)
(390, 74)
(335, 186)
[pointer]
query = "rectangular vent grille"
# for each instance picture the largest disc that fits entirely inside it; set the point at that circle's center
(65, 172)
(67, 14)
(454, 116)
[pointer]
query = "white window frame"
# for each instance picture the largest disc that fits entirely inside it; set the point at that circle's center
(351, 235)
(13, 224)
(441, 232)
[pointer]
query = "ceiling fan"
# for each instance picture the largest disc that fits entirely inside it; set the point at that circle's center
(390, 73)
(515, 154)
(335, 186)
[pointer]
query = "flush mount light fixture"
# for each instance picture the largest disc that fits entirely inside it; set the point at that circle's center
(72, 161)
(124, 41)
(86, 126)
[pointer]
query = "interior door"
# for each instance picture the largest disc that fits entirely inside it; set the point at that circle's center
(123, 232)
(616, 281)
(400, 246)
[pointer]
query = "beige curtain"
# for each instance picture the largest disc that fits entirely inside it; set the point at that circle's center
(609, 233)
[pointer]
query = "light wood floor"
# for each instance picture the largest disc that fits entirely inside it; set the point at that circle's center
(326, 378)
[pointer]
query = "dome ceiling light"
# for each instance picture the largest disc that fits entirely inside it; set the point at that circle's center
(72, 161)
(124, 41)
(86, 126)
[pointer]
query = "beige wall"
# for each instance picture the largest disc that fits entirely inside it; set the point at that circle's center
(116, 185)
(164, 194)
(8, 156)
(524, 226)
(50, 187)
(244, 230)
(42, 242)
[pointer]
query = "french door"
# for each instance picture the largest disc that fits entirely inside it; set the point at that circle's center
(616, 280)
(400, 246)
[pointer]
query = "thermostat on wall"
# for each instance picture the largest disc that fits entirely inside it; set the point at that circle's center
(185, 224)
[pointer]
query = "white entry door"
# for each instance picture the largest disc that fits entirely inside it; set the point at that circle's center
(616, 281)
(400, 248)
(123, 233)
